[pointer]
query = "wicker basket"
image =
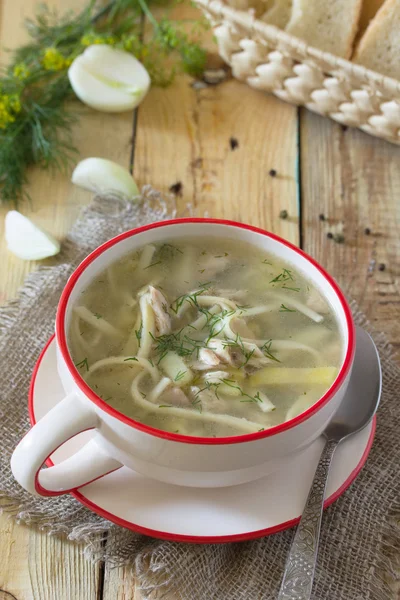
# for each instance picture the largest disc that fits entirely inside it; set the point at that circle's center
(269, 59)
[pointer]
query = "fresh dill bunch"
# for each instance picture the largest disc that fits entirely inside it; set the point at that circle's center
(35, 125)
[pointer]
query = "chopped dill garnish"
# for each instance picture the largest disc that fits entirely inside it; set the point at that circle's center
(233, 384)
(191, 298)
(157, 262)
(165, 406)
(204, 253)
(98, 316)
(138, 333)
(197, 405)
(209, 386)
(180, 375)
(266, 262)
(262, 429)
(174, 248)
(266, 350)
(222, 255)
(108, 399)
(293, 289)
(83, 363)
(284, 308)
(173, 342)
(285, 275)
(238, 343)
(131, 358)
(201, 270)
(206, 285)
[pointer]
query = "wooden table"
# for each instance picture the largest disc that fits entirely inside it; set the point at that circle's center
(181, 134)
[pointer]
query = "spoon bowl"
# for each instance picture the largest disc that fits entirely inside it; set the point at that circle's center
(356, 410)
(363, 393)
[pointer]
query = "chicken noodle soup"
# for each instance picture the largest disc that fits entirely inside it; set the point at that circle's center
(205, 338)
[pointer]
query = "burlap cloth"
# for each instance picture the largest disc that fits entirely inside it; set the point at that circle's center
(359, 548)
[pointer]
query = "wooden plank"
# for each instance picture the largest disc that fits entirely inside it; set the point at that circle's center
(354, 180)
(120, 584)
(35, 566)
(55, 201)
(183, 135)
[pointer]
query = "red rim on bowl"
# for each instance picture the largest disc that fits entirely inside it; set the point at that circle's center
(176, 537)
(62, 341)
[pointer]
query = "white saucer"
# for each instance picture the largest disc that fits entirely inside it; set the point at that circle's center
(197, 515)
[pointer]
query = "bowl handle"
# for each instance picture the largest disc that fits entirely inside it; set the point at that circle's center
(64, 421)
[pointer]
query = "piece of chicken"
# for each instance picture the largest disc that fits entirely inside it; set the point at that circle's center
(176, 397)
(208, 357)
(161, 312)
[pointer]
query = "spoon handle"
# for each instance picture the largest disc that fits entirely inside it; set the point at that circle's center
(300, 565)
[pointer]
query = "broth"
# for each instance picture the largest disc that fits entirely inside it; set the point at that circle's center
(205, 337)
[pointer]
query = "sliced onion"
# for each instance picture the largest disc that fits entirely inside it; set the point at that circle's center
(100, 175)
(108, 79)
(26, 240)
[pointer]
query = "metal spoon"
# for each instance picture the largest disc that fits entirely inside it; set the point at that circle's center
(356, 411)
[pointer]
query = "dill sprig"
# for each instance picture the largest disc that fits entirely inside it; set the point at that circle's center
(175, 342)
(35, 125)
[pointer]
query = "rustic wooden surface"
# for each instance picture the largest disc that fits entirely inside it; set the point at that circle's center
(183, 134)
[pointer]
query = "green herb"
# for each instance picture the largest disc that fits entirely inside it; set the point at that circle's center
(191, 298)
(206, 285)
(197, 405)
(173, 248)
(35, 124)
(131, 358)
(266, 262)
(285, 275)
(108, 399)
(233, 384)
(158, 262)
(210, 387)
(180, 375)
(138, 333)
(204, 253)
(238, 343)
(293, 289)
(201, 270)
(262, 429)
(222, 255)
(165, 406)
(266, 349)
(83, 363)
(174, 342)
(98, 316)
(284, 308)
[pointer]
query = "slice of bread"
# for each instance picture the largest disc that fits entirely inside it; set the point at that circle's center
(330, 25)
(379, 48)
(368, 11)
(279, 13)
